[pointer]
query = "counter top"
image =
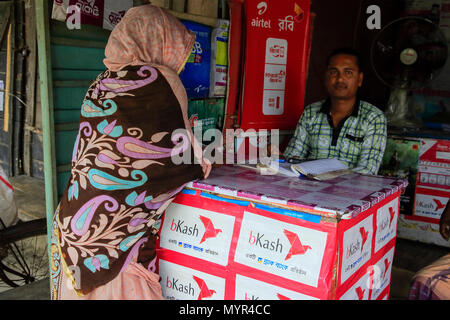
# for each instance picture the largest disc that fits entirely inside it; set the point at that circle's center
(341, 198)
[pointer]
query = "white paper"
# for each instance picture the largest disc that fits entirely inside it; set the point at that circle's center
(316, 167)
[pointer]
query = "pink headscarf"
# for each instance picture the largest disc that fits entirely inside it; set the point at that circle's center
(148, 35)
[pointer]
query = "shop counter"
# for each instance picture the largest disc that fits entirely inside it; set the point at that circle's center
(241, 235)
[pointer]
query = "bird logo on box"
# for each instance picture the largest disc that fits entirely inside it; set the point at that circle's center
(392, 213)
(386, 267)
(364, 235)
(439, 204)
(281, 297)
(360, 293)
(205, 292)
(297, 248)
(210, 231)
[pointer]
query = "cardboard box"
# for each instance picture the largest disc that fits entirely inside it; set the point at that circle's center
(230, 242)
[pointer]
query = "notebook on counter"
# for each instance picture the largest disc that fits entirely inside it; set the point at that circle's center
(322, 169)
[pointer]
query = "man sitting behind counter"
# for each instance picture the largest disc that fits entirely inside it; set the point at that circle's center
(342, 126)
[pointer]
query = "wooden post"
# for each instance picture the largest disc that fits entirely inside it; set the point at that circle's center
(48, 131)
(30, 89)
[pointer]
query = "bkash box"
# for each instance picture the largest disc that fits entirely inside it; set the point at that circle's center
(196, 74)
(240, 235)
(432, 192)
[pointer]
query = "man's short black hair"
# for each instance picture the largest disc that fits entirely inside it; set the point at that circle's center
(347, 51)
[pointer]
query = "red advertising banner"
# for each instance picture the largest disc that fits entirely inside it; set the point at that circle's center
(275, 63)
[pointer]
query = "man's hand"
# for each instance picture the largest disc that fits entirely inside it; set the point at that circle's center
(444, 223)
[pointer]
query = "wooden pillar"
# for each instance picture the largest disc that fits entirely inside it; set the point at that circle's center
(48, 131)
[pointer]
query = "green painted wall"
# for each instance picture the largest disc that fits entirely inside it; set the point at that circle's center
(77, 59)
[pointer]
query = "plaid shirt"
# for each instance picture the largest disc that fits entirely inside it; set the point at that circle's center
(359, 140)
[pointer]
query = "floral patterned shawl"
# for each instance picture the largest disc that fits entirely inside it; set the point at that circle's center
(122, 175)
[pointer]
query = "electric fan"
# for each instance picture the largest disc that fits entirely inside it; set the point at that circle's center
(409, 53)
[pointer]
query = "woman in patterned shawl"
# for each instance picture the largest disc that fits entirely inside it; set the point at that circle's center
(133, 125)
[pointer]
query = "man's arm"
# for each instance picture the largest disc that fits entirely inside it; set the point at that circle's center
(298, 147)
(373, 146)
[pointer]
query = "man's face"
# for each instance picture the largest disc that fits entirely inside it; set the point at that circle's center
(343, 77)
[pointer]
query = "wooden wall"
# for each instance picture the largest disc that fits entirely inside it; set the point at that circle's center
(343, 23)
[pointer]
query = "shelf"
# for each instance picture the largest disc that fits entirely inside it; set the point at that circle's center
(209, 21)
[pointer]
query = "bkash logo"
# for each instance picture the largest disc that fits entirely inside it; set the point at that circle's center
(210, 231)
(439, 204)
(364, 235)
(177, 285)
(297, 248)
(360, 293)
(392, 215)
(426, 205)
(386, 267)
(189, 230)
(281, 297)
(205, 292)
(358, 245)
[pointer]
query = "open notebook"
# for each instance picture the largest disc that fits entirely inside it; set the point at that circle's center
(323, 169)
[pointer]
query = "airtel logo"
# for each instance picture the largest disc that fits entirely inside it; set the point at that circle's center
(262, 8)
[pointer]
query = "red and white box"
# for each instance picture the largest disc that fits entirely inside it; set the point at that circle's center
(431, 195)
(230, 242)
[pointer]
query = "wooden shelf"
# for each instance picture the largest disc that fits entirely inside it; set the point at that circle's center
(209, 21)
